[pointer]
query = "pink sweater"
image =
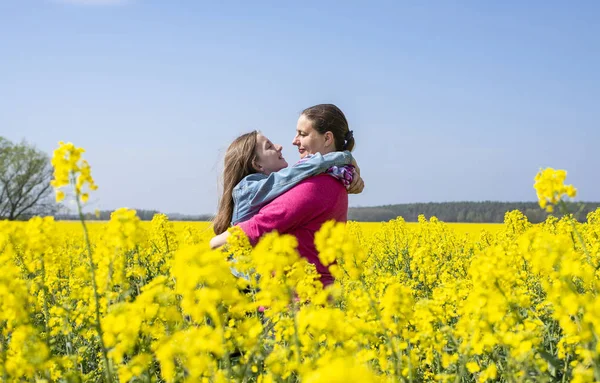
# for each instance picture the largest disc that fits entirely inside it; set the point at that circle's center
(301, 211)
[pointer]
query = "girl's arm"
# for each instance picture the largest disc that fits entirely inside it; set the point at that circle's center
(279, 182)
(297, 207)
(258, 191)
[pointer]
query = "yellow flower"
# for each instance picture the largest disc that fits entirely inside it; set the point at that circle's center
(550, 187)
(472, 367)
(70, 168)
(342, 371)
(490, 373)
(60, 195)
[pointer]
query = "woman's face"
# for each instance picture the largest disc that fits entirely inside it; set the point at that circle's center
(310, 141)
(268, 156)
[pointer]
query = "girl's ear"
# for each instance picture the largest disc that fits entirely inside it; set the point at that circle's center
(329, 139)
(256, 166)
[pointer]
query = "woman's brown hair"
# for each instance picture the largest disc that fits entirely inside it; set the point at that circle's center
(329, 118)
(239, 160)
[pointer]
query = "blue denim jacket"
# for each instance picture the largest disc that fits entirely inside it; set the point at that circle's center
(256, 190)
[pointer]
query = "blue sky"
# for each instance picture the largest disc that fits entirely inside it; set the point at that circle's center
(447, 102)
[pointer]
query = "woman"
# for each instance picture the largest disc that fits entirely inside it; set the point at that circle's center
(321, 129)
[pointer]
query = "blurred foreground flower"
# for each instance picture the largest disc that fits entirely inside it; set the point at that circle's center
(69, 167)
(550, 188)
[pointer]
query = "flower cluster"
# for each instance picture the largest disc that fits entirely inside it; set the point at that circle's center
(69, 168)
(550, 187)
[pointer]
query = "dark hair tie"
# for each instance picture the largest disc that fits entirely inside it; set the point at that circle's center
(349, 136)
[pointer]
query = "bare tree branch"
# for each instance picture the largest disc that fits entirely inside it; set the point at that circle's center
(25, 174)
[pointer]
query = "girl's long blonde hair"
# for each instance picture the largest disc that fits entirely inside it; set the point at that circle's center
(238, 163)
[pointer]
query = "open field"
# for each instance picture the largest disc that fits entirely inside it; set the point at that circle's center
(460, 228)
(202, 226)
(428, 301)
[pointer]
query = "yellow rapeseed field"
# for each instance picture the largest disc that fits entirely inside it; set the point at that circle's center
(147, 302)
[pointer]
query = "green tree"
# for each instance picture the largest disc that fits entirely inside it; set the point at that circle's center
(25, 174)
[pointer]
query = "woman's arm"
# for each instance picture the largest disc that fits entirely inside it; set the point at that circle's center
(219, 240)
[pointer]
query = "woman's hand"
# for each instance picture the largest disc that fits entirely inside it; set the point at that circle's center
(357, 185)
(355, 164)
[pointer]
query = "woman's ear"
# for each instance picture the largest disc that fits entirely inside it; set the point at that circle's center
(329, 139)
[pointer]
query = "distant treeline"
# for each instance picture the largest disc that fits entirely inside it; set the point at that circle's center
(145, 215)
(482, 212)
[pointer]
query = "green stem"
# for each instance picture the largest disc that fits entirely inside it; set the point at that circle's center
(107, 371)
(296, 336)
(46, 311)
(3, 344)
(566, 369)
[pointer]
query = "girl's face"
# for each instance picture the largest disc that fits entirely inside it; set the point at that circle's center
(310, 141)
(268, 156)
